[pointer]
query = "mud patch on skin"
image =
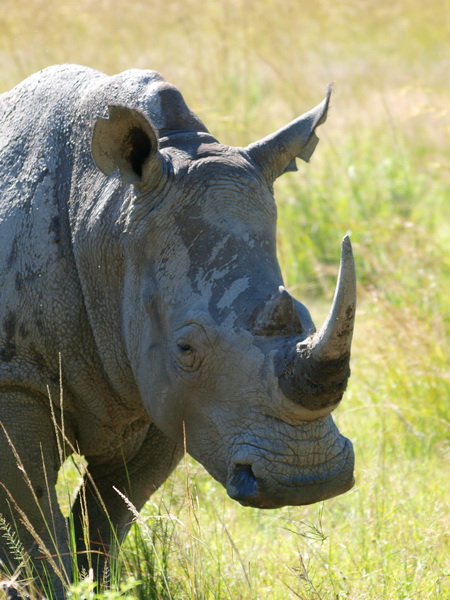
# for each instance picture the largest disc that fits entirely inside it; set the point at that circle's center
(55, 228)
(9, 325)
(18, 283)
(230, 269)
(36, 356)
(12, 256)
(8, 351)
(23, 331)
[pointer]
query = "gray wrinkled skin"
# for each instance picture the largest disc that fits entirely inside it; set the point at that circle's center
(140, 253)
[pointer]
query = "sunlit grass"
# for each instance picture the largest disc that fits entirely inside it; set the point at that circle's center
(381, 172)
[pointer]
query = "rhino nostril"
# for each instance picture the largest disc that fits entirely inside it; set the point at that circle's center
(242, 483)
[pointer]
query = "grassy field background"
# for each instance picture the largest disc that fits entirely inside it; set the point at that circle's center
(381, 172)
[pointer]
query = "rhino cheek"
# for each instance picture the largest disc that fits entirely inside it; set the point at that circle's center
(220, 418)
(153, 382)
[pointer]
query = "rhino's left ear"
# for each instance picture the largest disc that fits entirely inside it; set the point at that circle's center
(276, 153)
(126, 141)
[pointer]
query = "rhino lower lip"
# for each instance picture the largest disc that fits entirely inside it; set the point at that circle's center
(313, 493)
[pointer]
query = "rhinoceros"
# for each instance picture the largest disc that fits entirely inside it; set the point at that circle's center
(143, 311)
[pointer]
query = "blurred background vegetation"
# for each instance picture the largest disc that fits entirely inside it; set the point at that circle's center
(381, 173)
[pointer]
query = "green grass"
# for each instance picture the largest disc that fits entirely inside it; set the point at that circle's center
(380, 172)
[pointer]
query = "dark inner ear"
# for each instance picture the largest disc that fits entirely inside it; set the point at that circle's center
(137, 148)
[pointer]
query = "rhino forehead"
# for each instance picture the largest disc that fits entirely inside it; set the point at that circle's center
(219, 295)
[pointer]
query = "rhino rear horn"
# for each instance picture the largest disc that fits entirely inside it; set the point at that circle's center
(126, 141)
(276, 153)
(277, 316)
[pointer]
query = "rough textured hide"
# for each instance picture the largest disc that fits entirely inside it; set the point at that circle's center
(138, 260)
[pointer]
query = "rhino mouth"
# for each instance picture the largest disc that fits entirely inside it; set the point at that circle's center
(252, 484)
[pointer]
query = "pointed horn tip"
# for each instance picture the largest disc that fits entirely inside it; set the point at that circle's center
(346, 247)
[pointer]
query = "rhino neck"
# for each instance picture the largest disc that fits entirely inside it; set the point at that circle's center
(97, 237)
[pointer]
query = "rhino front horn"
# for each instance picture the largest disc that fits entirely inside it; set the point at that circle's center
(334, 339)
(315, 373)
(276, 153)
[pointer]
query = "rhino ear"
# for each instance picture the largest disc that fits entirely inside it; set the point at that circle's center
(276, 153)
(126, 141)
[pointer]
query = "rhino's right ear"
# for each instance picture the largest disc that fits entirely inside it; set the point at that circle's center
(126, 141)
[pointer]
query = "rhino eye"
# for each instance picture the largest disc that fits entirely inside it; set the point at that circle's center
(185, 348)
(189, 348)
(188, 358)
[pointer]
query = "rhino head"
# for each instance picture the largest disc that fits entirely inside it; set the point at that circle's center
(226, 362)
